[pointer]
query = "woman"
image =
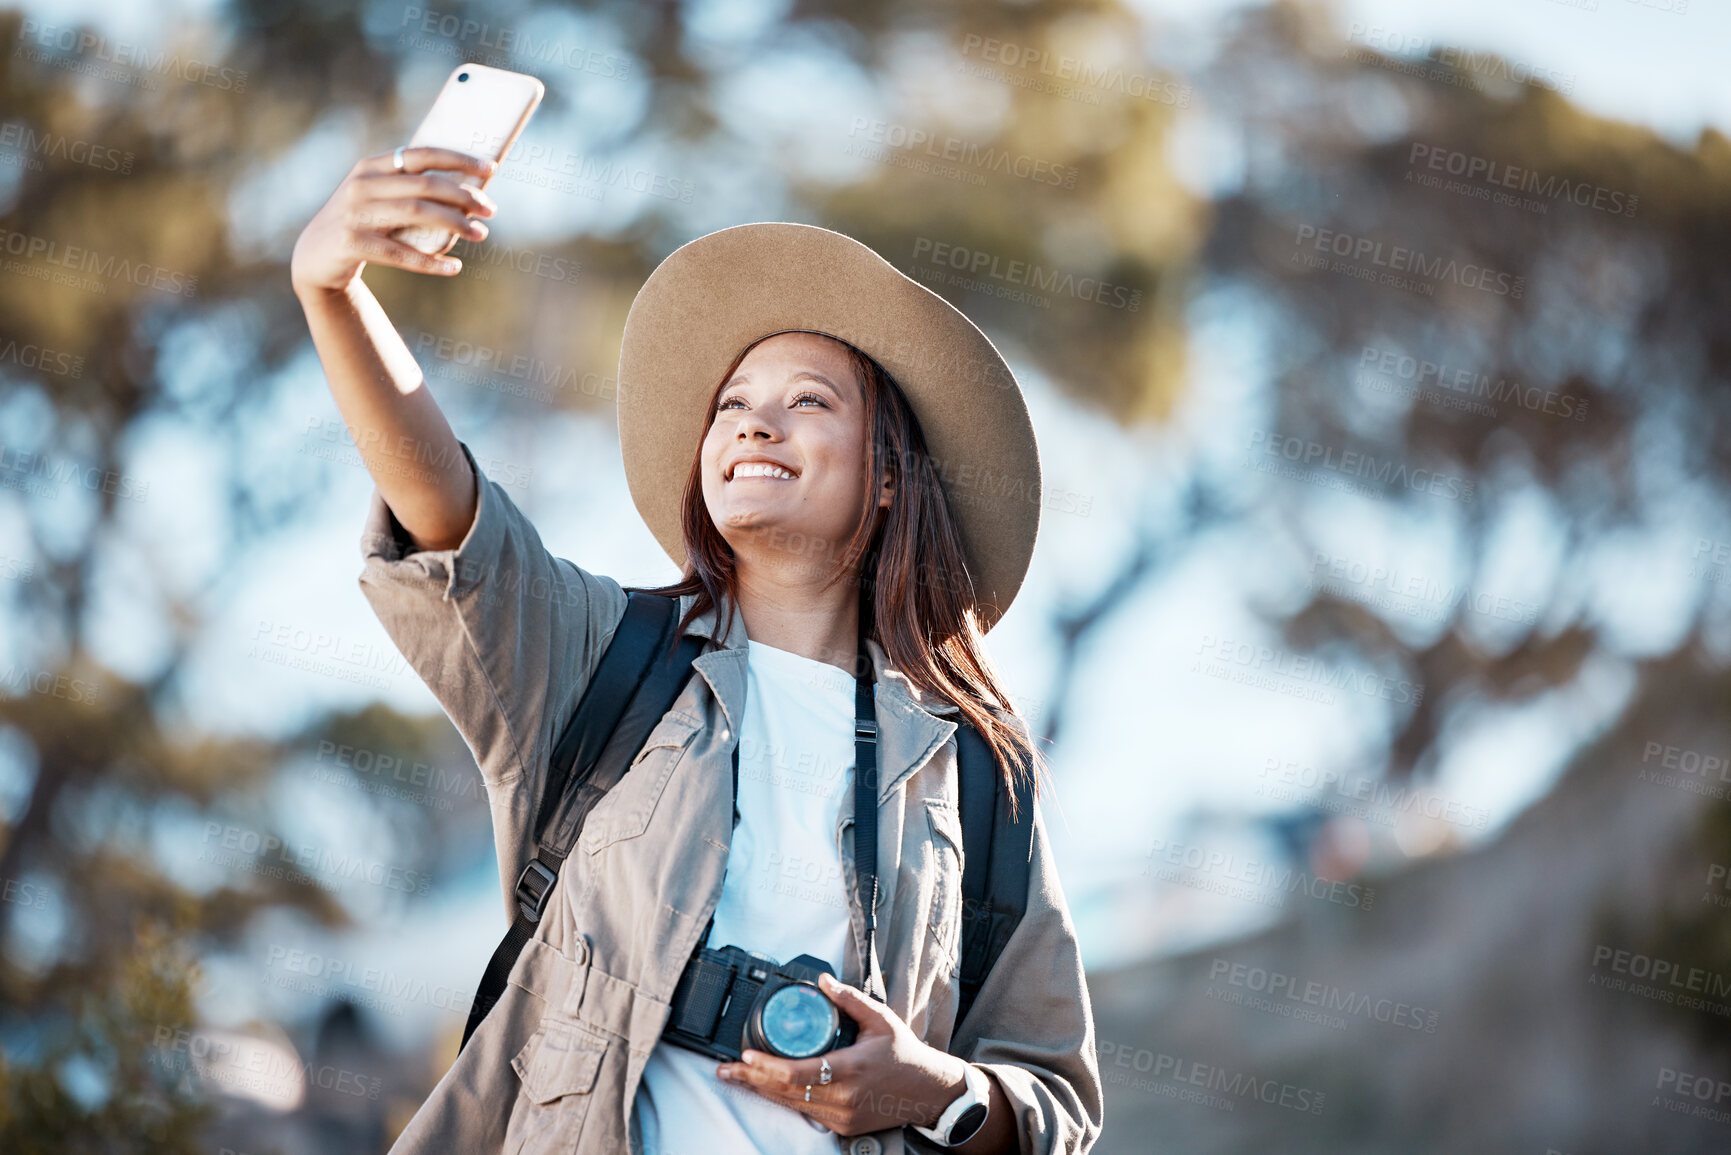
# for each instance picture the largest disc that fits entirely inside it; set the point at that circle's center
(790, 404)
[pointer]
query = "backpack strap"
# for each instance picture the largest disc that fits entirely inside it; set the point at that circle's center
(637, 681)
(996, 864)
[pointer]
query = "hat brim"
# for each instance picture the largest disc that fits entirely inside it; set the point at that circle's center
(715, 295)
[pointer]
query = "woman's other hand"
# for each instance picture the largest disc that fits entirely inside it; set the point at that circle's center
(886, 1078)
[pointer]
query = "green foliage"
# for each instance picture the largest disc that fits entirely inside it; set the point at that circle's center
(147, 1104)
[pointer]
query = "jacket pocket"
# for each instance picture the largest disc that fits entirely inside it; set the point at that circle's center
(625, 811)
(557, 1069)
(946, 916)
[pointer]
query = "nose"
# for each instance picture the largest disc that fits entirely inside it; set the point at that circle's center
(753, 424)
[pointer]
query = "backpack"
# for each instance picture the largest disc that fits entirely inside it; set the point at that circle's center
(638, 680)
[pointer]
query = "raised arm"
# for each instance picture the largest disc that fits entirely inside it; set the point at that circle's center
(403, 436)
(504, 634)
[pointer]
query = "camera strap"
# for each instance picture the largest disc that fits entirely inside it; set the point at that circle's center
(865, 806)
(865, 810)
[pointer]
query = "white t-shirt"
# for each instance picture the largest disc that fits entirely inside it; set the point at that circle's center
(783, 895)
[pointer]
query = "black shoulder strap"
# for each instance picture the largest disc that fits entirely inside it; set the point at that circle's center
(636, 682)
(996, 862)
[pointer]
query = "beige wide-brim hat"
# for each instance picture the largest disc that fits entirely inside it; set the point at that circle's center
(719, 293)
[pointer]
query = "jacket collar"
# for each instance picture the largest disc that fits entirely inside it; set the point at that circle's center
(910, 729)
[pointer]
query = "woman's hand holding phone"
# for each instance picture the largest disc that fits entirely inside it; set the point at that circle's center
(373, 200)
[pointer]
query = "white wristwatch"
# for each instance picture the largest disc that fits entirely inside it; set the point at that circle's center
(965, 1115)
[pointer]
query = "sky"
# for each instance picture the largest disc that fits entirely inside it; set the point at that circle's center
(1659, 63)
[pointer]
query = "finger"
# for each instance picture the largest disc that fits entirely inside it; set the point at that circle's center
(429, 186)
(377, 249)
(422, 157)
(388, 216)
(855, 1003)
(776, 1084)
(824, 1105)
(772, 1070)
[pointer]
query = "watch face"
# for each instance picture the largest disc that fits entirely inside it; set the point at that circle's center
(969, 1123)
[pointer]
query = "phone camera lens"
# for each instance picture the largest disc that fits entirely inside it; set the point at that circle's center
(462, 76)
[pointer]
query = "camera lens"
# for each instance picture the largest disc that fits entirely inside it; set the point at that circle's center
(798, 1021)
(462, 76)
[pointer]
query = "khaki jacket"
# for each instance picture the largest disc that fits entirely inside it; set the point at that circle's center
(507, 636)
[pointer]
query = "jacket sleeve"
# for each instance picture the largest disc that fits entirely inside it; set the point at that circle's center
(1032, 1025)
(504, 634)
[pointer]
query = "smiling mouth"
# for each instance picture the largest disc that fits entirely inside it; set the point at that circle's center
(762, 470)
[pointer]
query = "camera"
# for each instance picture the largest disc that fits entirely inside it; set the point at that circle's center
(729, 999)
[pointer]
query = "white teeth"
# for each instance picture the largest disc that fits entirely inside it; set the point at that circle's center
(760, 469)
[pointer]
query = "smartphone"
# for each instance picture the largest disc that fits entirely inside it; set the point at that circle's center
(480, 111)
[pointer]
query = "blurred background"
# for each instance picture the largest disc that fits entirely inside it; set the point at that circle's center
(1378, 353)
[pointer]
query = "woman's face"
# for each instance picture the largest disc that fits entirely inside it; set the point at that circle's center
(784, 461)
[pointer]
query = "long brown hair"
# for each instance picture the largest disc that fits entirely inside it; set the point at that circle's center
(916, 589)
